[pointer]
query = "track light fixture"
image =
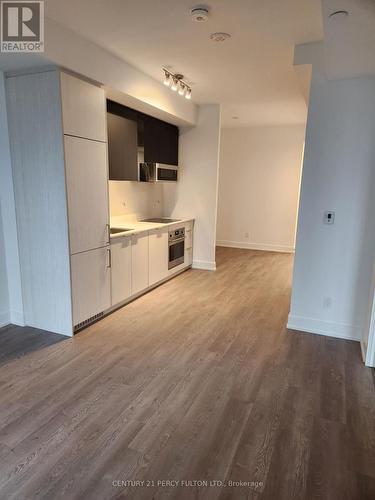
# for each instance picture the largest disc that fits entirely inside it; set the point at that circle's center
(177, 83)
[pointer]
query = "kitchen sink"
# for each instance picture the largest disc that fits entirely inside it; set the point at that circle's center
(116, 230)
(160, 220)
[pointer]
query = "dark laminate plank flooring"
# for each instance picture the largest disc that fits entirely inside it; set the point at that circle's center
(197, 381)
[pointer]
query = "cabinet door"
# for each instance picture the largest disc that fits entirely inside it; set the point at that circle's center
(121, 269)
(139, 263)
(168, 140)
(151, 140)
(122, 148)
(83, 109)
(158, 255)
(91, 284)
(189, 256)
(188, 237)
(87, 192)
(160, 142)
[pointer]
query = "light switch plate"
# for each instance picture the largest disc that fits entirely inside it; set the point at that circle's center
(329, 217)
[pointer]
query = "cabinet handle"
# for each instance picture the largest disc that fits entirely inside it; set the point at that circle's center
(108, 233)
(109, 255)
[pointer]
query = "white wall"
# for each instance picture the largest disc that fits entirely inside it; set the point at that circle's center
(141, 198)
(10, 253)
(4, 296)
(368, 337)
(195, 195)
(260, 169)
(333, 263)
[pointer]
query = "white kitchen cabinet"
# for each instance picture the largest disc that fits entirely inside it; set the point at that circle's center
(121, 269)
(189, 244)
(188, 238)
(188, 256)
(60, 185)
(87, 192)
(140, 255)
(83, 108)
(91, 283)
(158, 255)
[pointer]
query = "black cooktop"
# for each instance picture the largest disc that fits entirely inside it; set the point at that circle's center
(160, 220)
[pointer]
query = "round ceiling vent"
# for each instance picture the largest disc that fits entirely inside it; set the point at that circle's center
(339, 14)
(199, 14)
(219, 37)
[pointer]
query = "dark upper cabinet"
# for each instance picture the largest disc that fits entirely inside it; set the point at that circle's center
(122, 148)
(134, 137)
(160, 142)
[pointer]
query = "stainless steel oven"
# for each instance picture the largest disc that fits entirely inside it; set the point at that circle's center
(176, 243)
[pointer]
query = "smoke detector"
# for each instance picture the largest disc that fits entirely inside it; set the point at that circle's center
(219, 37)
(199, 14)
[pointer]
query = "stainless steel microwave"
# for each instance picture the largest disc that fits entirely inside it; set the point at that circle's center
(157, 172)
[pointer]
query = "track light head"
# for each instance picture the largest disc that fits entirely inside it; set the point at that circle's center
(167, 78)
(176, 83)
(181, 90)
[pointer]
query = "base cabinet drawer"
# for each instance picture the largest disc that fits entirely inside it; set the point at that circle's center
(121, 270)
(139, 260)
(158, 255)
(91, 283)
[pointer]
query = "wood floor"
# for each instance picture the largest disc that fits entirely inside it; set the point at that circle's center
(197, 382)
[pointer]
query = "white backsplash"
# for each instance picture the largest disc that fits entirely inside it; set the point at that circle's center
(143, 199)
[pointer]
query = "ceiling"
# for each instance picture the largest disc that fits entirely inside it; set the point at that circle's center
(251, 74)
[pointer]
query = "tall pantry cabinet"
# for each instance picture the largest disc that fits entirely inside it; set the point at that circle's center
(58, 136)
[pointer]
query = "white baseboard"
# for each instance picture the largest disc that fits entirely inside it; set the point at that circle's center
(17, 318)
(328, 328)
(255, 246)
(203, 264)
(363, 351)
(4, 318)
(11, 317)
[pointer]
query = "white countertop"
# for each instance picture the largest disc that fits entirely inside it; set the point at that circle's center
(135, 226)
